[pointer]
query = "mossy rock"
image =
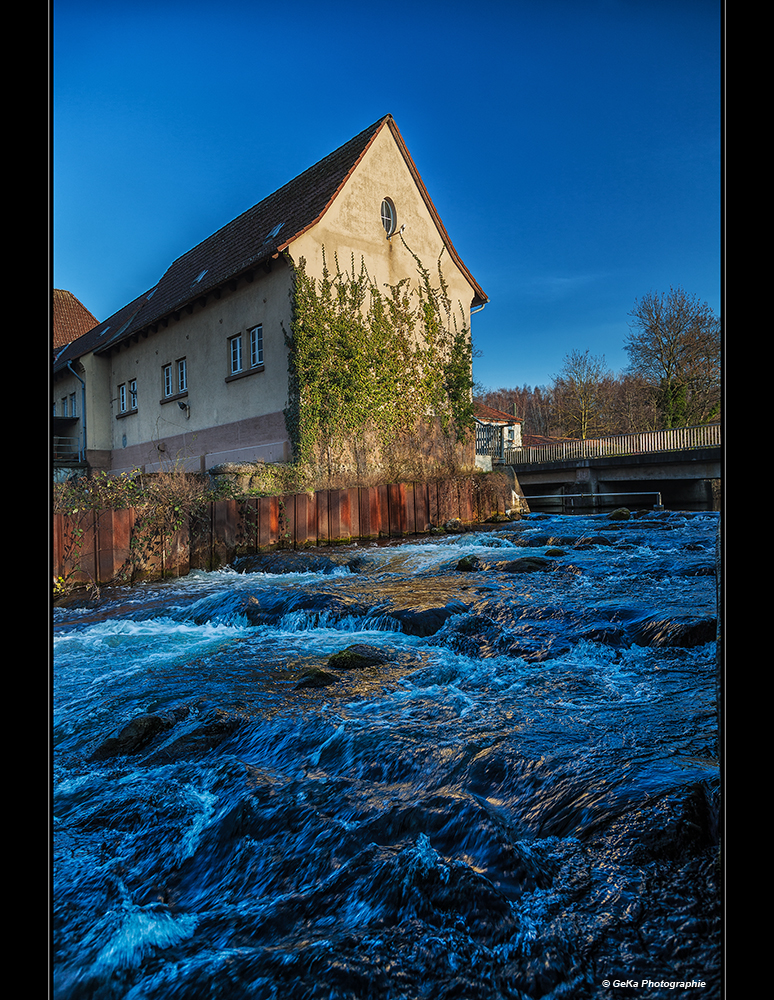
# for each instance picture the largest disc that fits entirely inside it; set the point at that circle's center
(316, 677)
(620, 514)
(357, 657)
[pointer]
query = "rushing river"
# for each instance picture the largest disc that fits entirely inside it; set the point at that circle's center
(511, 791)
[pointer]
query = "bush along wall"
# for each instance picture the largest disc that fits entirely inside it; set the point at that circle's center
(380, 378)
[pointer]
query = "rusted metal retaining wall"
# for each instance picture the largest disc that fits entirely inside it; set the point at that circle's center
(103, 547)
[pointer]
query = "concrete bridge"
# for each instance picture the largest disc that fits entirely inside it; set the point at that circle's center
(681, 468)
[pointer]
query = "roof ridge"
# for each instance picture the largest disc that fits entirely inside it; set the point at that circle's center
(374, 128)
(254, 235)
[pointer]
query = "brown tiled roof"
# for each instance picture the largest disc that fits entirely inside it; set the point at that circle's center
(254, 238)
(488, 413)
(95, 338)
(71, 319)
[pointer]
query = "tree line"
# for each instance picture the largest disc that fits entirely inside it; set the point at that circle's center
(673, 378)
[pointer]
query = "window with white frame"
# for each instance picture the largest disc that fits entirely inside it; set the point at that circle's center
(73, 412)
(122, 398)
(246, 352)
(174, 379)
(236, 354)
(389, 216)
(256, 346)
(133, 394)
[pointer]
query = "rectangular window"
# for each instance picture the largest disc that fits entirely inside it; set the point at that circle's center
(167, 380)
(122, 398)
(256, 346)
(64, 406)
(236, 354)
(182, 375)
(73, 412)
(133, 394)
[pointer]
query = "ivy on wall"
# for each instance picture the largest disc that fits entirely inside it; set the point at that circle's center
(373, 370)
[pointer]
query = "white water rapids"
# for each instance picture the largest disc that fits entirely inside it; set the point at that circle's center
(516, 797)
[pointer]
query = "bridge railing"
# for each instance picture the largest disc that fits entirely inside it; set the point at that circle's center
(675, 439)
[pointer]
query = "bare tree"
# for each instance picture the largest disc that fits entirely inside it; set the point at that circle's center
(675, 346)
(633, 407)
(582, 392)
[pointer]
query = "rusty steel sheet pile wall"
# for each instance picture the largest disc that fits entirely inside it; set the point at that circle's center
(100, 547)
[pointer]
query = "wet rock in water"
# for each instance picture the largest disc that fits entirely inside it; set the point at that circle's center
(138, 733)
(526, 564)
(620, 514)
(469, 564)
(358, 657)
(316, 677)
(480, 636)
(144, 731)
(539, 541)
(685, 632)
(678, 823)
(206, 732)
(426, 621)
(590, 541)
(267, 607)
(553, 553)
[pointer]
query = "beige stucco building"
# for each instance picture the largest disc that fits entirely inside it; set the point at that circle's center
(195, 370)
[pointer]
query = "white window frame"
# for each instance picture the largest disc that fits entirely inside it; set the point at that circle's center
(235, 349)
(389, 216)
(182, 375)
(167, 376)
(256, 346)
(122, 398)
(133, 394)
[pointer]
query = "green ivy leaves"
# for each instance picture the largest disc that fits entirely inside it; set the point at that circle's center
(368, 367)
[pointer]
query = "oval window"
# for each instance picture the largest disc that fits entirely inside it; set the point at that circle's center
(388, 216)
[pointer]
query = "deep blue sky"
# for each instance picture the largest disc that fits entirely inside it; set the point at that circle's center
(572, 147)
